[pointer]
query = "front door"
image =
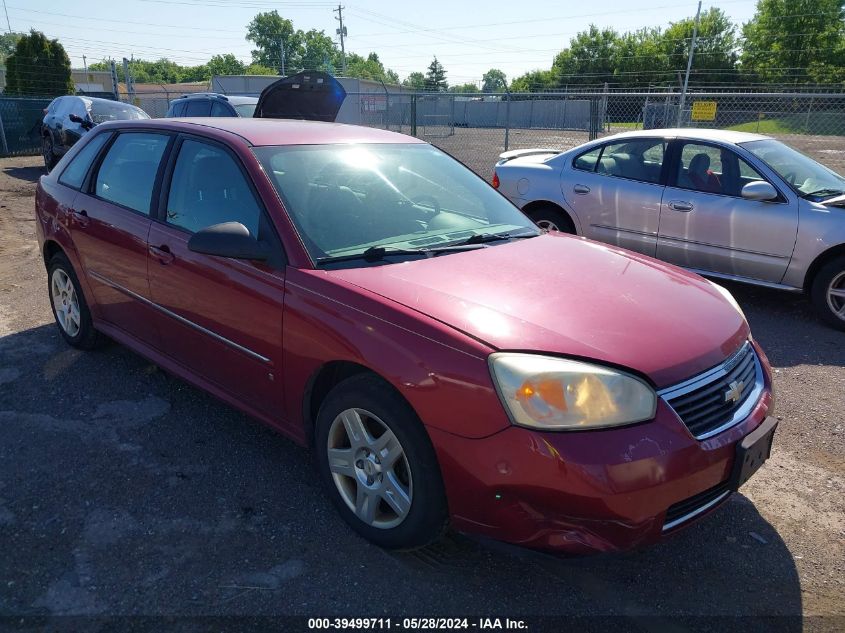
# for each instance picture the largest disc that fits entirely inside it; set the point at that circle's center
(615, 190)
(221, 318)
(109, 227)
(706, 224)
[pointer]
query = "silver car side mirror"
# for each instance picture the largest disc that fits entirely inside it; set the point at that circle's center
(759, 190)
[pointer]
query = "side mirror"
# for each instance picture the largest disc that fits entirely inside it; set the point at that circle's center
(229, 239)
(85, 123)
(759, 190)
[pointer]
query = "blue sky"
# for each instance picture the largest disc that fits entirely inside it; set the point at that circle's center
(467, 37)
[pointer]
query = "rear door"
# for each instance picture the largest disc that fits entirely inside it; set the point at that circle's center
(616, 190)
(109, 227)
(220, 317)
(706, 224)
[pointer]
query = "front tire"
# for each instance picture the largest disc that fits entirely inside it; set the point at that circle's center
(48, 152)
(552, 218)
(378, 465)
(70, 309)
(828, 293)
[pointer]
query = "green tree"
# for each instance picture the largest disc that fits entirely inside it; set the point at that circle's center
(796, 41)
(415, 80)
(468, 87)
(534, 81)
(258, 69)
(226, 64)
(590, 58)
(369, 67)
(319, 52)
(716, 49)
(8, 42)
(640, 59)
(435, 78)
(38, 66)
(268, 31)
(494, 80)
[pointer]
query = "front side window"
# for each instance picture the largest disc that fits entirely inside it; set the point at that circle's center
(345, 199)
(74, 173)
(809, 178)
(128, 171)
(208, 188)
(701, 169)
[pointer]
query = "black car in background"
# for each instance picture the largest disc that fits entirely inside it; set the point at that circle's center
(66, 119)
(211, 104)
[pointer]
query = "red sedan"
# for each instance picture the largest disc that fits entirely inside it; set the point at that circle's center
(366, 294)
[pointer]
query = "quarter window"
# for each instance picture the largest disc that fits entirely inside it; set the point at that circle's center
(209, 188)
(128, 172)
(74, 173)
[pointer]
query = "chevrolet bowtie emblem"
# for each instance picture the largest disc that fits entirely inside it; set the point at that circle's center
(735, 392)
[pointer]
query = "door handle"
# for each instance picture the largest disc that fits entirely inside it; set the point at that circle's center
(680, 205)
(581, 189)
(162, 253)
(80, 217)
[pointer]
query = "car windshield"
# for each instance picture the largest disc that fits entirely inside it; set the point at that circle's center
(245, 109)
(347, 200)
(808, 177)
(102, 111)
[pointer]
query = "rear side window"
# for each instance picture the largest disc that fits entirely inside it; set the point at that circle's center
(634, 160)
(74, 174)
(219, 109)
(198, 107)
(128, 171)
(587, 161)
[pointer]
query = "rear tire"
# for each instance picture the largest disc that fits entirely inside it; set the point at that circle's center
(383, 474)
(828, 293)
(552, 218)
(70, 309)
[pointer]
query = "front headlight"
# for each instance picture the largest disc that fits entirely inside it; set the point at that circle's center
(560, 394)
(728, 297)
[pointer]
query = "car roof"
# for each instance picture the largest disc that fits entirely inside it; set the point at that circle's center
(260, 132)
(724, 136)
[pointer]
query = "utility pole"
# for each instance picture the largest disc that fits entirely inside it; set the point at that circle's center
(8, 24)
(130, 85)
(282, 54)
(689, 64)
(85, 64)
(342, 32)
(114, 84)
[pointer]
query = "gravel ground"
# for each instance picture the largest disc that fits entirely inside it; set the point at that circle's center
(123, 491)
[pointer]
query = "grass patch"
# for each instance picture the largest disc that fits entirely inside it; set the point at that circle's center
(819, 123)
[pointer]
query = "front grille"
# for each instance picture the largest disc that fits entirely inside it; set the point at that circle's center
(687, 509)
(718, 398)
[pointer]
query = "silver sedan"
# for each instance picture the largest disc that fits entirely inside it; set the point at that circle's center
(725, 204)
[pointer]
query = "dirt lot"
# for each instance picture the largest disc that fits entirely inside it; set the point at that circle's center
(124, 491)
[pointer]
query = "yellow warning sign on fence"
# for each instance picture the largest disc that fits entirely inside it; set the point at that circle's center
(703, 110)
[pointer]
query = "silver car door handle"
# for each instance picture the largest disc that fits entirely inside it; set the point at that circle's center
(680, 205)
(582, 189)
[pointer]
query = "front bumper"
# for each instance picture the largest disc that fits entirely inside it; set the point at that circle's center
(592, 491)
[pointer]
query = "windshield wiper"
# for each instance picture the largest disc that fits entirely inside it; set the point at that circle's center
(825, 192)
(481, 238)
(380, 253)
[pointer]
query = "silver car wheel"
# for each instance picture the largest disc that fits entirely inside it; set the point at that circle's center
(548, 225)
(65, 302)
(369, 468)
(836, 295)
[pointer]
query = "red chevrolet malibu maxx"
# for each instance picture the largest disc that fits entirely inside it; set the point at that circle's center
(366, 294)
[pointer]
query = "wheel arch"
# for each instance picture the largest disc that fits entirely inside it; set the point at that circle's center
(539, 204)
(50, 249)
(826, 256)
(326, 378)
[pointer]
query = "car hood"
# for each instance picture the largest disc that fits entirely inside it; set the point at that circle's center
(565, 295)
(311, 96)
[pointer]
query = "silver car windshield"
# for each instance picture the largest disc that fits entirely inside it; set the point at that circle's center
(808, 177)
(347, 199)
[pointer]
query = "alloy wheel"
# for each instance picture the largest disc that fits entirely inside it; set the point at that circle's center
(548, 225)
(369, 468)
(65, 302)
(836, 295)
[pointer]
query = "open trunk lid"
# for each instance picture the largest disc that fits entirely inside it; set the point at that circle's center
(310, 96)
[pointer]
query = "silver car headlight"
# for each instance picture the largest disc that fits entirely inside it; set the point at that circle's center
(728, 297)
(560, 394)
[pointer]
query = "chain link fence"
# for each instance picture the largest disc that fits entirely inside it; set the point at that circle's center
(20, 125)
(476, 128)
